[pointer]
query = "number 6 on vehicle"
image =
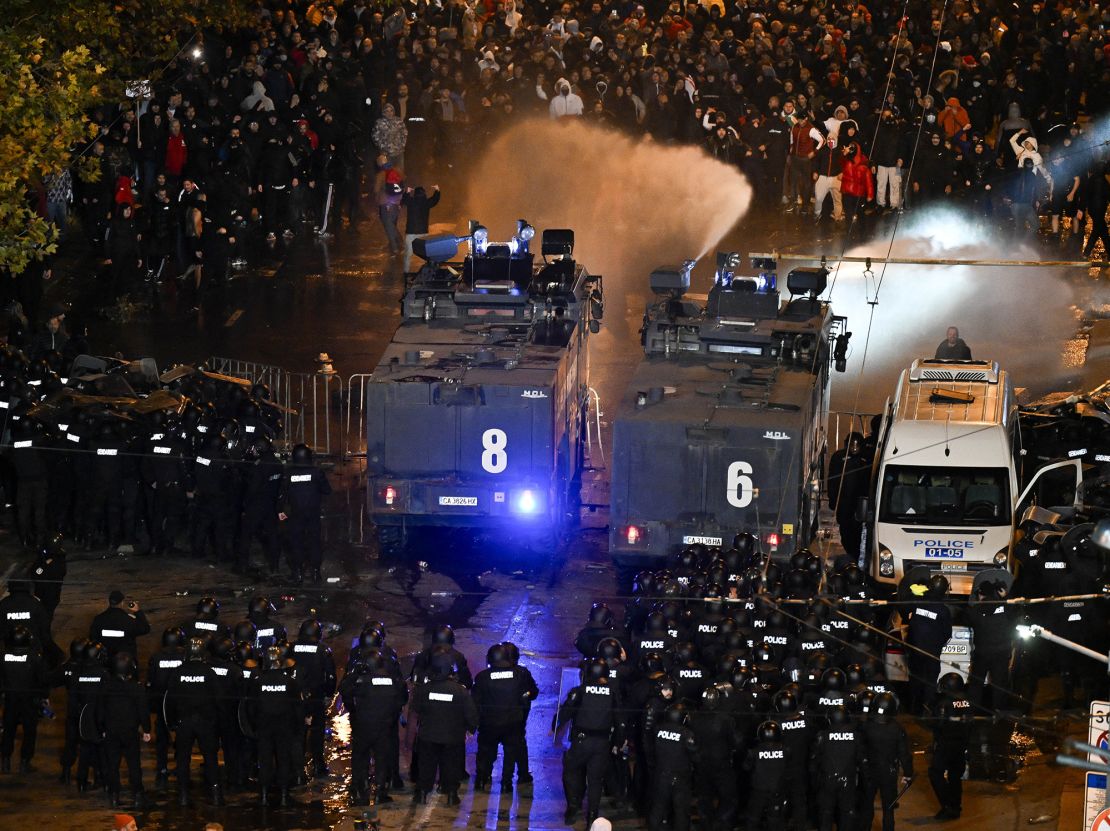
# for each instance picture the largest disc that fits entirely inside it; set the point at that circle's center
(495, 457)
(740, 489)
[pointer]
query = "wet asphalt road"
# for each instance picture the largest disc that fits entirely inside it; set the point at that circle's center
(341, 297)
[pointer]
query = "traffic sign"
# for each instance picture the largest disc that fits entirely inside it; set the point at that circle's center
(1098, 731)
(1101, 821)
(1096, 813)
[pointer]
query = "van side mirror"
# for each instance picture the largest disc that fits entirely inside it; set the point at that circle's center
(863, 509)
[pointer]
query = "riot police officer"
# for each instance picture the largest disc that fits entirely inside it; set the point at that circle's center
(261, 493)
(501, 693)
(316, 674)
(159, 669)
(191, 709)
(766, 763)
(277, 709)
(125, 717)
(950, 741)
(66, 676)
(164, 475)
(303, 490)
(89, 692)
(206, 624)
(374, 695)
(675, 751)
(28, 458)
(447, 713)
(47, 574)
(837, 753)
(886, 748)
(593, 711)
(930, 627)
(599, 625)
(443, 635)
(268, 630)
(118, 626)
(993, 623)
(23, 683)
(210, 491)
(523, 774)
(716, 741)
(22, 608)
(797, 728)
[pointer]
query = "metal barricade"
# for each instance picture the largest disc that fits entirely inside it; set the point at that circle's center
(354, 452)
(841, 424)
(308, 401)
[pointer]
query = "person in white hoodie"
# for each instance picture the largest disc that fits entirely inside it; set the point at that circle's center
(565, 101)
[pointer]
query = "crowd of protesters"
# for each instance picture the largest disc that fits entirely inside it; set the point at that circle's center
(311, 119)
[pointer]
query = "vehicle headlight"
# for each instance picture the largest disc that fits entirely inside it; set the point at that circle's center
(1002, 558)
(886, 562)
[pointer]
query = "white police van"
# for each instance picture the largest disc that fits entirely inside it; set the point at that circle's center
(946, 478)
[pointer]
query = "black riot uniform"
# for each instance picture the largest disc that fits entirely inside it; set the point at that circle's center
(447, 713)
(125, 715)
(21, 608)
(192, 710)
(303, 490)
(28, 459)
(268, 630)
(837, 754)
(442, 636)
(277, 710)
(316, 674)
(593, 710)
(164, 475)
(373, 694)
(23, 684)
(502, 692)
(714, 772)
(104, 510)
(206, 624)
(261, 493)
(160, 667)
(886, 749)
(993, 624)
(89, 689)
(930, 627)
(66, 676)
(47, 574)
(598, 626)
(672, 789)
(950, 741)
(766, 763)
(213, 514)
(798, 728)
(229, 694)
(118, 626)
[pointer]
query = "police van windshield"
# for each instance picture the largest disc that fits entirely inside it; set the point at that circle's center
(915, 495)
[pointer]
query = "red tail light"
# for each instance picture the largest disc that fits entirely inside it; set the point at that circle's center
(389, 494)
(632, 534)
(772, 539)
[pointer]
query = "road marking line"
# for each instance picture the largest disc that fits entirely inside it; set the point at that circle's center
(238, 313)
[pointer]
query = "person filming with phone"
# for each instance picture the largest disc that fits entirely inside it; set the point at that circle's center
(119, 625)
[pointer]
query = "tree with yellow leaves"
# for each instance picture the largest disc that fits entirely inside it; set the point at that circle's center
(59, 59)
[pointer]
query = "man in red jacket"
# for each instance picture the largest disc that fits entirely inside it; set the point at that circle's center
(857, 185)
(177, 154)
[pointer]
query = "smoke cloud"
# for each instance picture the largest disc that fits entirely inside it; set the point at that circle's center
(633, 205)
(1020, 317)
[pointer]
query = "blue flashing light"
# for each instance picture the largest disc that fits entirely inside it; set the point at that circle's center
(766, 281)
(526, 503)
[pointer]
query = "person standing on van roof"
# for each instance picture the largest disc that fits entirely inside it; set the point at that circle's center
(953, 348)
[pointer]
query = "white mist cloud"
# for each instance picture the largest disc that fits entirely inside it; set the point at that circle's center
(1019, 317)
